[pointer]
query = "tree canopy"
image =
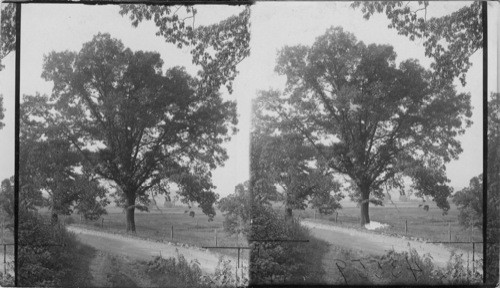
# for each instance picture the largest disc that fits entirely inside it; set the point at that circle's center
(217, 48)
(7, 31)
(470, 203)
(136, 125)
(287, 162)
(369, 119)
(49, 164)
(449, 40)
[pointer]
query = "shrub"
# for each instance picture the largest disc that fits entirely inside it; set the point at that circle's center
(46, 252)
(224, 277)
(69, 220)
(282, 262)
(175, 272)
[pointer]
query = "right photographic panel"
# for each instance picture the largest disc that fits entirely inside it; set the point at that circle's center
(366, 143)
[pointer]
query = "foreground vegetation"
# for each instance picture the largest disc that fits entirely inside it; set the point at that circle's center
(49, 255)
(178, 272)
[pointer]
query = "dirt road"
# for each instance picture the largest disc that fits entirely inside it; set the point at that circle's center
(375, 244)
(144, 250)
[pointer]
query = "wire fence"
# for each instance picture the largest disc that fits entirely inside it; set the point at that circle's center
(194, 233)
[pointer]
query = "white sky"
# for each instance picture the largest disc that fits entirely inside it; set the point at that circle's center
(51, 27)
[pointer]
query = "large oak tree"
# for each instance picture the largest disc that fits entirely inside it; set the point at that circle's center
(136, 125)
(369, 119)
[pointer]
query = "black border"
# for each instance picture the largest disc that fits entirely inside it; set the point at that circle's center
(16, 129)
(484, 18)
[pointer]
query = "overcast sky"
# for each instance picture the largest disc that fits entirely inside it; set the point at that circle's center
(51, 27)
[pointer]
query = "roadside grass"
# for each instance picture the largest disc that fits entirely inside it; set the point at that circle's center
(80, 274)
(157, 225)
(350, 267)
(427, 225)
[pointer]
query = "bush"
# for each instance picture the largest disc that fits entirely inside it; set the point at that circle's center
(283, 262)
(46, 252)
(69, 220)
(174, 272)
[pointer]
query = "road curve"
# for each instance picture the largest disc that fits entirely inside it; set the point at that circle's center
(376, 244)
(144, 250)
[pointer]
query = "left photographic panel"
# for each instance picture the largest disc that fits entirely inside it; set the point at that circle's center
(7, 142)
(128, 114)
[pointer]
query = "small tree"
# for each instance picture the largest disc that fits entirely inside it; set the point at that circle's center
(470, 203)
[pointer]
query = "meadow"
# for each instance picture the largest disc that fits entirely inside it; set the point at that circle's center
(157, 225)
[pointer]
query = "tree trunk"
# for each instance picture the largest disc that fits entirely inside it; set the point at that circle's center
(129, 213)
(288, 212)
(365, 195)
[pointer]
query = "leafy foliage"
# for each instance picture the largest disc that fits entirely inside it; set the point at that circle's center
(449, 40)
(41, 259)
(224, 276)
(236, 209)
(288, 162)
(175, 271)
(7, 197)
(280, 262)
(8, 31)
(50, 164)
(493, 189)
(2, 115)
(368, 119)
(217, 48)
(470, 203)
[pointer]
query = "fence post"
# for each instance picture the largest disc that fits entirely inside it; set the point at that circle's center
(406, 227)
(102, 222)
(239, 257)
(172, 232)
(336, 216)
(4, 259)
(314, 214)
(471, 232)
(215, 231)
(449, 230)
(473, 248)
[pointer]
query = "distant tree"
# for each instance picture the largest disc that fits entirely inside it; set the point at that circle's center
(470, 203)
(7, 197)
(143, 125)
(1, 112)
(292, 172)
(49, 163)
(449, 40)
(368, 119)
(236, 209)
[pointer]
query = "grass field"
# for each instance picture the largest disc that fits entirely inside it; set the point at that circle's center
(157, 225)
(428, 225)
